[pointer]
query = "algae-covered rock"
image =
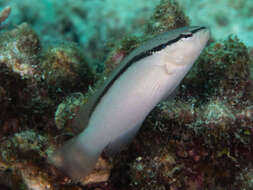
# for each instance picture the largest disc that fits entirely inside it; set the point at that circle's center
(64, 67)
(28, 100)
(67, 112)
(24, 97)
(168, 15)
(32, 79)
(19, 50)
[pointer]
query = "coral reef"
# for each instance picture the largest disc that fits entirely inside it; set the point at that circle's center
(200, 140)
(88, 23)
(167, 15)
(32, 81)
(67, 110)
(19, 48)
(64, 67)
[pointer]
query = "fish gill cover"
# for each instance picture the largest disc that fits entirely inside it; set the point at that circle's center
(53, 56)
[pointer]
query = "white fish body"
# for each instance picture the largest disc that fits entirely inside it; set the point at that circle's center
(148, 75)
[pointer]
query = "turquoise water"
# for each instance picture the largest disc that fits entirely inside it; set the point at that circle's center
(80, 20)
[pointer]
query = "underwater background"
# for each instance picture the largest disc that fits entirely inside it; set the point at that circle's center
(55, 53)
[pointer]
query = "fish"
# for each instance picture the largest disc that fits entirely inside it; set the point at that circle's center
(115, 113)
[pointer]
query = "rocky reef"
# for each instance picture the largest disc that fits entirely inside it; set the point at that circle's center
(202, 139)
(32, 84)
(91, 24)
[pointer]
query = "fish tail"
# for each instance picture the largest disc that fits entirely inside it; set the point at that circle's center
(75, 159)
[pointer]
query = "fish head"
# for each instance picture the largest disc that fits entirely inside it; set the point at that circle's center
(184, 49)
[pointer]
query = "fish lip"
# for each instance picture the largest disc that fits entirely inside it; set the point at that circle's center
(207, 30)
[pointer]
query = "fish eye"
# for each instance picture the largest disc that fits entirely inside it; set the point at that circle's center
(163, 45)
(186, 35)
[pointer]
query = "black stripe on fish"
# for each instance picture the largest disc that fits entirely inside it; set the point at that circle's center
(142, 55)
